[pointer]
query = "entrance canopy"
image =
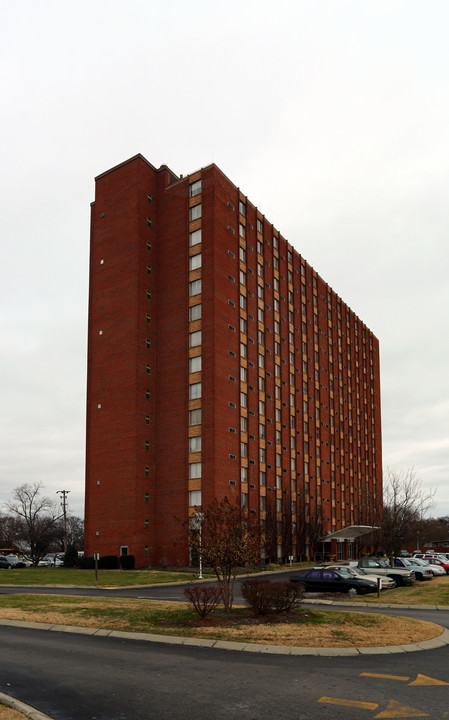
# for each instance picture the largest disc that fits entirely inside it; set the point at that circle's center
(349, 533)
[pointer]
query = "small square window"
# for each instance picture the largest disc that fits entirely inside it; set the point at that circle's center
(195, 312)
(195, 212)
(195, 262)
(195, 188)
(195, 237)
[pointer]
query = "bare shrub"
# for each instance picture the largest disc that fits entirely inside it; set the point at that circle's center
(203, 598)
(264, 596)
(286, 596)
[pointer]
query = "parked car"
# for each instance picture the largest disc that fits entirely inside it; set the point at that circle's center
(421, 572)
(435, 560)
(4, 563)
(435, 569)
(330, 580)
(52, 560)
(401, 576)
(386, 582)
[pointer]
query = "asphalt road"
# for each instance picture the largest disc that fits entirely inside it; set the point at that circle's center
(79, 677)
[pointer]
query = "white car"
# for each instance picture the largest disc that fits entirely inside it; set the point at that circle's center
(436, 569)
(52, 560)
(385, 582)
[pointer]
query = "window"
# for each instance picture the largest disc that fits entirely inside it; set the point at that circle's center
(261, 361)
(245, 500)
(243, 302)
(242, 208)
(194, 391)
(148, 369)
(147, 497)
(195, 417)
(242, 278)
(148, 317)
(244, 474)
(241, 230)
(195, 262)
(195, 339)
(259, 225)
(195, 212)
(149, 269)
(194, 470)
(261, 477)
(195, 312)
(195, 188)
(261, 430)
(261, 384)
(260, 337)
(147, 419)
(261, 455)
(243, 325)
(243, 399)
(195, 237)
(262, 502)
(195, 287)
(242, 350)
(243, 424)
(195, 364)
(244, 449)
(195, 444)
(261, 407)
(243, 374)
(260, 270)
(146, 523)
(194, 497)
(242, 254)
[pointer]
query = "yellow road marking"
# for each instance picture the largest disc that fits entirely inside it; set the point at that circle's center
(349, 703)
(385, 677)
(425, 680)
(396, 710)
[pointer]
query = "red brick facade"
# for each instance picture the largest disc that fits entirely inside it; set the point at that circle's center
(219, 363)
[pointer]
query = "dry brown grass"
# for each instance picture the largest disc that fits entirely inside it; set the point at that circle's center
(339, 630)
(7, 713)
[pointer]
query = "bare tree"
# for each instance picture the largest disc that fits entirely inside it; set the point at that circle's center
(405, 503)
(229, 539)
(74, 532)
(37, 517)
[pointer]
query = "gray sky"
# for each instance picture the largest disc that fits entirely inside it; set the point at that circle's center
(331, 115)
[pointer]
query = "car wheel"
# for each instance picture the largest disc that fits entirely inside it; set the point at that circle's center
(353, 591)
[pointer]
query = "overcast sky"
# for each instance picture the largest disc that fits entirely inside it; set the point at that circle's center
(331, 115)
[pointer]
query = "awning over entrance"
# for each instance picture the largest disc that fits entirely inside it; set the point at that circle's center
(349, 533)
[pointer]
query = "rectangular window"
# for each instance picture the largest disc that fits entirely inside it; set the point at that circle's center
(195, 417)
(241, 230)
(245, 500)
(194, 391)
(195, 212)
(194, 470)
(261, 407)
(195, 364)
(242, 350)
(261, 455)
(243, 325)
(243, 424)
(259, 226)
(242, 254)
(195, 444)
(195, 188)
(195, 287)
(195, 237)
(242, 208)
(243, 374)
(261, 430)
(242, 278)
(195, 339)
(261, 477)
(261, 361)
(244, 474)
(195, 498)
(243, 302)
(244, 449)
(243, 399)
(195, 262)
(195, 312)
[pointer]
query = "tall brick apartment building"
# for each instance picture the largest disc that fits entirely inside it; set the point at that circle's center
(219, 364)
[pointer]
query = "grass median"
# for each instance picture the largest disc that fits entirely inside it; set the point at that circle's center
(305, 627)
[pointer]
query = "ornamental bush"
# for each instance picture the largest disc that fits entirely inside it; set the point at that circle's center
(264, 596)
(203, 598)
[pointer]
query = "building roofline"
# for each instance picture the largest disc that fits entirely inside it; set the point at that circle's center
(139, 156)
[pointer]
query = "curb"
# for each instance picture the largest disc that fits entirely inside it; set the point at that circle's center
(437, 642)
(25, 709)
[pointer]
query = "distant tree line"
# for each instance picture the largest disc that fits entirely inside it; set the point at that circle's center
(33, 524)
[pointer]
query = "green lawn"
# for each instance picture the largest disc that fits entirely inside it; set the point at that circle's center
(86, 578)
(433, 592)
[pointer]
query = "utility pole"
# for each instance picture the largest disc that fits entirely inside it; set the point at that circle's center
(64, 494)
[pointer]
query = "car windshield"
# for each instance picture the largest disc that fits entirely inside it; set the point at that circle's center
(382, 563)
(405, 562)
